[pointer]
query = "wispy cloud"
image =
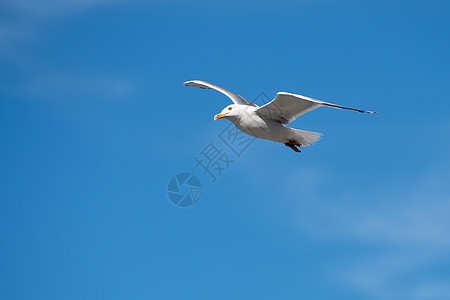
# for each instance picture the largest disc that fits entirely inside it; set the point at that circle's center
(26, 19)
(434, 290)
(62, 85)
(407, 225)
(53, 8)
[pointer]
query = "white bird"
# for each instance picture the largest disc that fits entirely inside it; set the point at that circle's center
(268, 121)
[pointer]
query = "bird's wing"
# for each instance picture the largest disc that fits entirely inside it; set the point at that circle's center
(286, 107)
(206, 85)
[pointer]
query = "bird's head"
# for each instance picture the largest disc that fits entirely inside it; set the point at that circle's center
(229, 112)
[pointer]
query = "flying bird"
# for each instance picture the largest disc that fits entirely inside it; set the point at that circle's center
(269, 121)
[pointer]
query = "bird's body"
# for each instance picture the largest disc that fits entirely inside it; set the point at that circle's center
(252, 124)
(257, 126)
(268, 121)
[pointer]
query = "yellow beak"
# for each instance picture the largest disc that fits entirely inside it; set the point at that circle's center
(218, 116)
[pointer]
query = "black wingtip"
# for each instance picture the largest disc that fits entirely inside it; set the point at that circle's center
(364, 111)
(196, 83)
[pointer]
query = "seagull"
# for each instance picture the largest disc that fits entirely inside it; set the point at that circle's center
(269, 121)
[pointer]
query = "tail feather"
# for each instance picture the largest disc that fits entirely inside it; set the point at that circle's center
(305, 138)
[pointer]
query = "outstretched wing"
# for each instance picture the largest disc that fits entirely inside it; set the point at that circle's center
(206, 85)
(286, 107)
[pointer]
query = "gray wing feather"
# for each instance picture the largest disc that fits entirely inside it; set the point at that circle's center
(286, 107)
(206, 85)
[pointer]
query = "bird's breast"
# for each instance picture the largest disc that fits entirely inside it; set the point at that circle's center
(260, 128)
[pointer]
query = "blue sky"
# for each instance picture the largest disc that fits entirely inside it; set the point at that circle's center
(95, 122)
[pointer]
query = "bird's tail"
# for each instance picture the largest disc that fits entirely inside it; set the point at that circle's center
(305, 138)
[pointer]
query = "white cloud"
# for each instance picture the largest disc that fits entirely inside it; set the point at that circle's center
(437, 290)
(53, 8)
(63, 85)
(408, 225)
(28, 18)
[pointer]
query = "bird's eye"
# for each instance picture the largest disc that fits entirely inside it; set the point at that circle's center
(229, 108)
